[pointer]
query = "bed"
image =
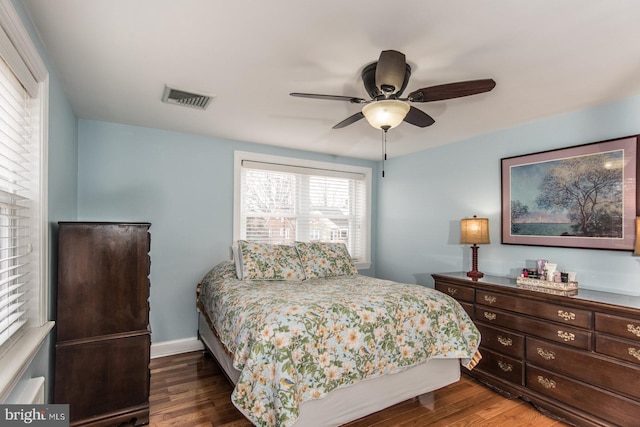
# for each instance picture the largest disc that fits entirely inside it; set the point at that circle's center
(306, 340)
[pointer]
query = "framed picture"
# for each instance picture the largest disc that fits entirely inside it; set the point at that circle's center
(580, 197)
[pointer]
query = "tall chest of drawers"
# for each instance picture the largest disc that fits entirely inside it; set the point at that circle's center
(577, 358)
(103, 337)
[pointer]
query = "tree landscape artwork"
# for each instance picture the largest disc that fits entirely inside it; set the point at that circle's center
(582, 196)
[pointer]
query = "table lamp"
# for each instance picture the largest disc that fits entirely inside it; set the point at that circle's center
(474, 231)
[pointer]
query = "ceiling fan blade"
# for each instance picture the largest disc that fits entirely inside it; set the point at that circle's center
(418, 118)
(390, 71)
(452, 90)
(349, 120)
(351, 99)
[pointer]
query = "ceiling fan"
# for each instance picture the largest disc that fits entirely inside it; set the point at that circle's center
(385, 80)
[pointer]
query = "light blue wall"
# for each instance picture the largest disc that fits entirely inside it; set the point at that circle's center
(62, 192)
(183, 185)
(423, 197)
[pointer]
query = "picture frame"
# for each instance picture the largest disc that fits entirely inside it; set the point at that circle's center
(584, 196)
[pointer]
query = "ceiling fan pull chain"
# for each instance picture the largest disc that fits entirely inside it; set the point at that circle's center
(384, 146)
(383, 150)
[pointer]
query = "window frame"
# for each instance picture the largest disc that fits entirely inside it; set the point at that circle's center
(240, 156)
(22, 54)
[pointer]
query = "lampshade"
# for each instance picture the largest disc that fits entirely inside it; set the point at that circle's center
(386, 113)
(637, 250)
(474, 231)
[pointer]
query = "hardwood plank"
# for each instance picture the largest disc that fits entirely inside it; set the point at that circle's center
(190, 390)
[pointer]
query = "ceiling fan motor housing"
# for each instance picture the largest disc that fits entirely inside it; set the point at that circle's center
(369, 80)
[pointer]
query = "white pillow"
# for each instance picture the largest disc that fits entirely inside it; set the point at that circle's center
(237, 258)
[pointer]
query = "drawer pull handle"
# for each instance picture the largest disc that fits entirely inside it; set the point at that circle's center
(546, 383)
(506, 367)
(489, 299)
(634, 330)
(546, 354)
(566, 315)
(507, 342)
(634, 352)
(489, 316)
(452, 291)
(566, 336)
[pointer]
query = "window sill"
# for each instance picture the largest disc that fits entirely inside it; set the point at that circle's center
(16, 361)
(362, 265)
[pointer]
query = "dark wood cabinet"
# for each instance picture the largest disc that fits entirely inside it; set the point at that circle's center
(576, 358)
(102, 323)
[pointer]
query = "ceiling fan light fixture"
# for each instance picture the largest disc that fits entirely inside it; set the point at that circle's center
(387, 113)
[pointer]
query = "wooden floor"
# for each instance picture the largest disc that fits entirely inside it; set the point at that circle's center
(189, 390)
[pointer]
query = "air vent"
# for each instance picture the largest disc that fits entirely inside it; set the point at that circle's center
(188, 99)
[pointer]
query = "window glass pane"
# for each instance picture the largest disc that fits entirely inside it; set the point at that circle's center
(268, 192)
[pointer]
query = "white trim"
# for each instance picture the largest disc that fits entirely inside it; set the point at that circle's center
(17, 65)
(280, 167)
(19, 357)
(12, 24)
(169, 348)
(29, 393)
(44, 201)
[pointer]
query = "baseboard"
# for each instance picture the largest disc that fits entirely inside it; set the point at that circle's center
(168, 348)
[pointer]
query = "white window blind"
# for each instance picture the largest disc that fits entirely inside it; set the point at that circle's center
(281, 202)
(16, 194)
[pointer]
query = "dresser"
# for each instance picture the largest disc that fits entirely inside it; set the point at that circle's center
(576, 358)
(102, 322)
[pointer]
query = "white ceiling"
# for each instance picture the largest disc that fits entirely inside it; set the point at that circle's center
(547, 56)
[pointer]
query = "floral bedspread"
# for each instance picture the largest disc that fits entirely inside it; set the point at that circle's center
(295, 341)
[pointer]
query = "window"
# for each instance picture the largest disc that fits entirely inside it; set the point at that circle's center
(281, 200)
(23, 219)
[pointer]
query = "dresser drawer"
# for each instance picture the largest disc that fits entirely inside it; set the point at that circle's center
(556, 313)
(616, 347)
(468, 307)
(498, 365)
(502, 341)
(589, 367)
(619, 326)
(461, 293)
(96, 363)
(555, 332)
(616, 409)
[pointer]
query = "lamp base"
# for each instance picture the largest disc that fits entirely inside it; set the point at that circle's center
(475, 274)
